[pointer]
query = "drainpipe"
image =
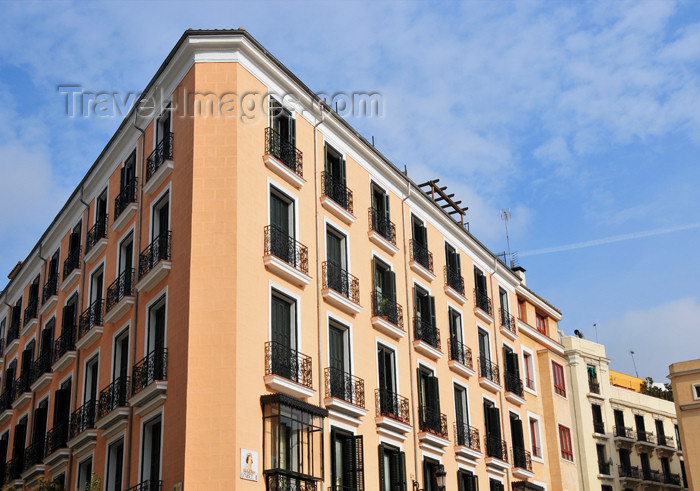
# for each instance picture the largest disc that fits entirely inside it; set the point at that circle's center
(318, 261)
(575, 426)
(497, 351)
(406, 260)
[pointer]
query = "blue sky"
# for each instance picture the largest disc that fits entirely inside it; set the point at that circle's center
(582, 118)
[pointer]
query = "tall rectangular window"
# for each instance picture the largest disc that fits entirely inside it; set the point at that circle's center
(558, 376)
(347, 460)
(151, 451)
(521, 310)
(535, 444)
(529, 371)
(567, 451)
(115, 466)
(84, 474)
(392, 468)
(541, 323)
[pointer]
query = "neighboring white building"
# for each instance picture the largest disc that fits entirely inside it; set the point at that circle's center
(626, 440)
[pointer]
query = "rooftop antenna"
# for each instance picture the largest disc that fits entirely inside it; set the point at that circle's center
(595, 326)
(635, 365)
(505, 216)
(372, 140)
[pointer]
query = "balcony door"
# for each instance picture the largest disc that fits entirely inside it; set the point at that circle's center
(126, 262)
(484, 347)
(10, 374)
(620, 422)
(27, 361)
(163, 127)
(91, 379)
(156, 331)
(420, 233)
(53, 264)
(74, 241)
(452, 260)
(19, 443)
(282, 224)
(283, 332)
(384, 280)
(128, 171)
(338, 358)
(101, 209)
(336, 259)
(282, 122)
(40, 416)
(461, 411)
(517, 441)
(392, 468)
(151, 452)
(425, 307)
(480, 282)
(455, 320)
(47, 340)
(61, 411)
(121, 356)
(639, 423)
(510, 363)
(347, 461)
(380, 211)
(430, 468)
(161, 219)
(429, 396)
(492, 420)
(96, 285)
(335, 168)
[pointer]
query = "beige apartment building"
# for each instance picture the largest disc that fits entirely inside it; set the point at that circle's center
(685, 381)
(256, 298)
(626, 440)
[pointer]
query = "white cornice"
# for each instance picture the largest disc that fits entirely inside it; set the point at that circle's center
(541, 338)
(538, 302)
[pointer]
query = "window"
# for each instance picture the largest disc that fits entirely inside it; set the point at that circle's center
(384, 294)
(161, 219)
(96, 284)
(4, 441)
(115, 466)
(419, 244)
(503, 300)
(151, 450)
(567, 452)
(389, 403)
(339, 363)
(603, 465)
(453, 269)
(467, 481)
(425, 325)
(120, 361)
(283, 343)
(40, 421)
(462, 416)
(293, 441)
(155, 336)
(282, 219)
(696, 392)
(535, 444)
(101, 214)
(347, 460)
(458, 350)
(283, 140)
(517, 440)
(334, 179)
(495, 485)
(521, 310)
(492, 424)
(126, 257)
(91, 379)
(481, 295)
(392, 468)
(511, 367)
(84, 474)
(678, 437)
(380, 217)
(429, 402)
(598, 425)
(529, 371)
(559, 383)
(541, 323)
(430, 469)
(337, 262)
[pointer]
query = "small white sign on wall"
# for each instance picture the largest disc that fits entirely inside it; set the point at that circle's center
(249, 464)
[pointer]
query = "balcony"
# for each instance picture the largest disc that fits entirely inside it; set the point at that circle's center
(645, 439)
(49, 294)
(427, 338)
(283, 158)
(41, 370)
(336, 198)
(30, 316)
(482, 306)
(64, 349)
(71, 269)
(286, 257)
(454, 285)
(392, 413)
(460, 357)
(624, 434)
(340, 288)
(33, 459)
(159, 165)
(599, 427)
(82, 433)
(508, 325)
(432, 428)
(593, 386)
(13, 335)
(672, 479)
(90, 325)
(113, 406)
(666, 441)
(125, 204)
(605, 468)
(382, 232)
(522, 463)
(345, 395)
(280, 480)
(13, 472)
(56, 445)
(22, 390)
(149, 381)
(150, 485)
(288, 371)
(489, 375)
(6, 405)
(421, 261)
(96, 239)
(514, 388)
(387, 315)
(154, 262)
(467, 444)
(120, 296)
(496, 452)
(653, 476)
(629, 472)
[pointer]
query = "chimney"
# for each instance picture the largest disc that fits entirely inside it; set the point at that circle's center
(520, 271)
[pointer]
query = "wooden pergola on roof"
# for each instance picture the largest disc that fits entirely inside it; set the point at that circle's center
(437, 194)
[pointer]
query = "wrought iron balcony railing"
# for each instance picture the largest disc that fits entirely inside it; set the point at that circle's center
(508, 321)
(513, 384)
(337, 191)
(460, 352)
(64, 343)
(42, 364)
(56, 438)
(13, 468)
(521, 458)
(50, 288)
(489, 370)
(421, 255)
(345, 386)
(495, 447)
(155, 252)
(386, 307)
(72, 262)
(341, 281)
(162, 153)
(6, 398)
(288, 363)
(280, 480)
(624, 432)
(593, 386)
(605, 468)
(22, 384)
(83, 419)
(122, 287)
(284, 151)
(629, 472)
(289, 250)
(34, 453)
(467, 436)
(149, 485)
(426, 332)
(672, 478)
(599, 427)
(96, 233)
(391, 405)
(154, 366)
(665, 441)
(126, 196)
(382, 225)
(645, 436)
(91, 317)
(482, 301)
(30, 311)
(652, 475)
(432, 420)
(454, 280)
(113, 396)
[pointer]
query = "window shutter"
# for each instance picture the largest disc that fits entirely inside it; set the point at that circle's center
(359, 461)
(517, 433)
(459, 263)
(402, 472)
(392, 285)
(386, 206)
(293, 133)
(3, 456)
(434, 393)
(514, 364)
(381, 468)
(432, 311)
(424, 232)
(342, 171)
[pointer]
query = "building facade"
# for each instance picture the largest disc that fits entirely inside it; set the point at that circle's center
(243, 293)
(685, 381)
(626, 440)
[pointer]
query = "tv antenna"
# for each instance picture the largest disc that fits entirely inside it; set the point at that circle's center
(635, 364)
(595, 326)
(505, 216)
